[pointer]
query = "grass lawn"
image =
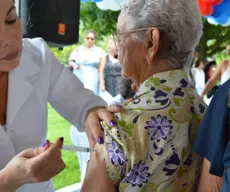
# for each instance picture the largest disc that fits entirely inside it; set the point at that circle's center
(58, 127)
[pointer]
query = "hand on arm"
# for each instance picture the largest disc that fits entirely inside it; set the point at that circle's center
(93, 126)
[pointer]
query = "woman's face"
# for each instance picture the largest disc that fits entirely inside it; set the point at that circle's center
(201, 65)
(90, 40)
(10, 36)
(111, 45)
(131, 54)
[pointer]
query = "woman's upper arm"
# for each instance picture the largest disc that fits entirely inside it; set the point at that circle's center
(217, 74)
(68, 95)
(208, 182)
(99, 182)
(73, 55)
(102, 64)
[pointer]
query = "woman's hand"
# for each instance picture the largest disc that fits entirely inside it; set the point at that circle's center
(76, 67)
(34, 165)
(102, 87)
(73, 64)
(93, 126)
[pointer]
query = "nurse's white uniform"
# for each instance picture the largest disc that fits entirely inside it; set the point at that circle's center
(39, 79)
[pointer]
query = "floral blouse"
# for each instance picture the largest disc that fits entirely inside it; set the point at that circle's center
(150, 150)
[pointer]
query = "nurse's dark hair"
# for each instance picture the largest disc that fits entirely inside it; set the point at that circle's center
(126, 88)
(91, 31)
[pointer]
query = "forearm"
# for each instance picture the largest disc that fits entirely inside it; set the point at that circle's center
(209, 85)
(102, 80)
(100, 182)
(6, 183)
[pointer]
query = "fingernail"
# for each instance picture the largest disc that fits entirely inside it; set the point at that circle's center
(118, 106)
(44, 144)
(100, 140)
(113, 123)
(62, 139)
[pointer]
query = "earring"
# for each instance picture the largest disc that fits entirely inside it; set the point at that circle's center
(147, 59)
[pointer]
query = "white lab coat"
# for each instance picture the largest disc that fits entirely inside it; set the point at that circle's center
(39, 79)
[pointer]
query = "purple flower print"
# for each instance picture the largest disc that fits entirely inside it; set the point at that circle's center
(136, 100)
(138, 175)
(163, 97)
(116, 155)
(184, 83)
(202, 108)
(175, 162)
(159, 127)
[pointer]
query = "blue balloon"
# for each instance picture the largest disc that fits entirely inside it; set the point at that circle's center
(223, 8)
(84, 1)
(222, 20)
(226, 8)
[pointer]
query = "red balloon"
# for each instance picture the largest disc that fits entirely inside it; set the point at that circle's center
(206, 8)
(217, 2)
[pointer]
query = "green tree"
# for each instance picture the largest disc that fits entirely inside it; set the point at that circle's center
(213, 41)
(103, 22)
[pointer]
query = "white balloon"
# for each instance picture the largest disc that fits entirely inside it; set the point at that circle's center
(103, 5)
(114, 6)
(108, 5)
(212, 21)
(227, 24)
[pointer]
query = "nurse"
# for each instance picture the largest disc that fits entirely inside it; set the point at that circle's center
(30, 76)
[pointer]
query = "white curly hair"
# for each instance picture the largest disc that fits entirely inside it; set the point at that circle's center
(179, 22)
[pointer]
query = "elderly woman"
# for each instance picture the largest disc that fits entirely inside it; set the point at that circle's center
(151, 147)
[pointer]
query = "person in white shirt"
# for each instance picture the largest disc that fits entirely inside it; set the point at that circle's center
(30, 77)
(199, 76)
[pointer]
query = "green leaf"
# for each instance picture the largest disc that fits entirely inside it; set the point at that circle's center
(129, 129)
(157, 81)
(183, 154)
(177, 101)
(167, 89)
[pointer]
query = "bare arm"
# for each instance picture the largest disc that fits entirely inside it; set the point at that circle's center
(208, 182)
(72, 59)
(96, 178)
(212, 81)
(101, 71)
(5, 184)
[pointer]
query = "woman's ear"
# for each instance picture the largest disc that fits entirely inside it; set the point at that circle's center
(153, 43)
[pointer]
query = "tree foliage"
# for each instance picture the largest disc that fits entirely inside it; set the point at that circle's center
(213, 41)
(103, 22)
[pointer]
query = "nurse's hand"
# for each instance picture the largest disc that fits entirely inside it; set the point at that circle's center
(93, 126)
(35, 165)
